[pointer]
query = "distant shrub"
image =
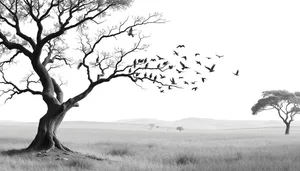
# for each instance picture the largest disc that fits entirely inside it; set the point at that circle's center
(120, 152)
(179, 128)
(81, 164)
(184, 159)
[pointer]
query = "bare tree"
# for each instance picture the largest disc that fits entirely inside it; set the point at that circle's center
(48, 52)
(285, 103)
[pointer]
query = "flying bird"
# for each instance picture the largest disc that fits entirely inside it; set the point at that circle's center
(197, 72)
(198, 62)
(211, 69)
(178, 71)
(175, 53)
(130, 32)
(183, 66)
(193, 82)
(196, 54)
(180, 77)
(219, 56)
(159, 58)
(236, 73)
(180, 46)
(184, 57)
(162, 76)
(171, 66)
(162, 91)
(166, 63)
(195, 88)
(208, 57)
(152, 60)
(172, 81)
(185, 82)
(203, 79)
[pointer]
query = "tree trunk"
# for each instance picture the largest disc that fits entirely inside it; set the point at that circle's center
(287, 129)
(46, 138)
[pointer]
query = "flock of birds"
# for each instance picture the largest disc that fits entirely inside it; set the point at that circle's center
(163, 65)
(166, 64)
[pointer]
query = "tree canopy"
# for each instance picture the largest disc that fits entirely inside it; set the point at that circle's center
(286, 103)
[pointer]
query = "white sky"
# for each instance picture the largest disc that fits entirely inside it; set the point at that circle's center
(260, 38)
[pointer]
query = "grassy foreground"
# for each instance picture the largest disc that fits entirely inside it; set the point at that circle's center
(265, 149)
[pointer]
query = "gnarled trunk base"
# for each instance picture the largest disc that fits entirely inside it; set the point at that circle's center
(46, 138)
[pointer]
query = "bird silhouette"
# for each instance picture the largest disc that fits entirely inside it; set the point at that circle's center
(129, 70)
(134, 63)
(146, 66)
(150, 76)
(137, 74)
(145, 60)
(185, 82)
(236, 73)
(97, 60)
(172, 81)
(152, 60)
(193, 82)
(198, 62)
(196, 54)
(175, 53)
(98, 76)
(183, 66)
(180, 46)
(219, 56)
(184, 57)
(197, 72)
(178, 71)
(166, 63)
(130, 32)
(171, 66)
(159, 58)
(208, 57)
(195, 88)
(169, 88)
(180, 77)
(211, 69)
(154, 79)
(158, 66)
(162, 91)
(79, 65)
(159, 87)
(145, 75)
(203, 79)
(162, 76)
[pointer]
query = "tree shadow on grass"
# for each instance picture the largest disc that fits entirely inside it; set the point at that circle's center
(14, 152)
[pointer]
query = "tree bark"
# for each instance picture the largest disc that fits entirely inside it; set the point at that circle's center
(46, 139)
(287, 128)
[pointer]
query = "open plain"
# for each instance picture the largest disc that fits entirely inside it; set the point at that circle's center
(132, 147)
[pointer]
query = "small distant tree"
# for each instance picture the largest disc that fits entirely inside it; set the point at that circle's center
(286, 104)
(151, 126)
(179, 128)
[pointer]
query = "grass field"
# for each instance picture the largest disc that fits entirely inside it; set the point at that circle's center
(262, 149)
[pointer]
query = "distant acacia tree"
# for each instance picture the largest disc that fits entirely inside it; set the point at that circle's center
(286, 104)
(151, 126)
(179, 128)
